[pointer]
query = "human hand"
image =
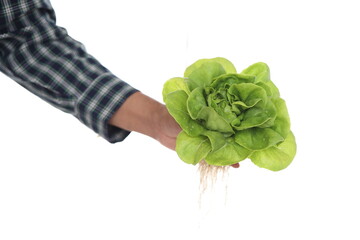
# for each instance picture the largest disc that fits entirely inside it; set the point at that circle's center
(143, 114)
(168, 129)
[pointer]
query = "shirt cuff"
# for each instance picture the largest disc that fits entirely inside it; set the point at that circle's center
(103, 97)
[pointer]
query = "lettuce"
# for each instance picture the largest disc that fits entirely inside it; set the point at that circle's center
(227, 117)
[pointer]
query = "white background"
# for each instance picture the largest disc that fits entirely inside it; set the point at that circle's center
(58, 180)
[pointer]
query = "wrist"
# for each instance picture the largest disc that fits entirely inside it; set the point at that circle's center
(139, 113)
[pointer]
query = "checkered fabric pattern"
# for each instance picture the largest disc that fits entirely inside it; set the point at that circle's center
(43, 58)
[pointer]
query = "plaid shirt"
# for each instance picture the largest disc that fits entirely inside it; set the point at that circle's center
(44, 59)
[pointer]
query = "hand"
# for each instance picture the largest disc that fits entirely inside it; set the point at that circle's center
(143, 114)
(168, 129)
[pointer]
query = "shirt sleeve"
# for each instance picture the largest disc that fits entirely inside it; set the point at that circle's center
(44, 59)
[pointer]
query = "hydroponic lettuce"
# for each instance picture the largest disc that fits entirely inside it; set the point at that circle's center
(227, 116)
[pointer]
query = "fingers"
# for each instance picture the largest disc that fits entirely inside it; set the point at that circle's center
(236, 165)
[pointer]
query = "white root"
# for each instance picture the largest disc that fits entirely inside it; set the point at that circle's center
(210, 175)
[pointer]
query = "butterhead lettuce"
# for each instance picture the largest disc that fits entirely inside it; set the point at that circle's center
(227, 117)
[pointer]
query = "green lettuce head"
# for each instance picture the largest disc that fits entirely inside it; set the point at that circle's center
(227, 116)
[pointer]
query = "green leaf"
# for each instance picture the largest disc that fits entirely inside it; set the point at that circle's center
(213, 121)
(270, 88)
(226, 65)
(258, 138)
(176, 105)
(227, 80)
(192, 149)
(282, 121)
(274, 90)
(256, 117)
(277, 157)
(248, 95)
(228, 154)
(204, 75)
(260, 70)
(217, 139)
(196, 102)
(173, 85)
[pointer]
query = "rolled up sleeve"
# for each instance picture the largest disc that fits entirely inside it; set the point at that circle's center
(43, 58)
